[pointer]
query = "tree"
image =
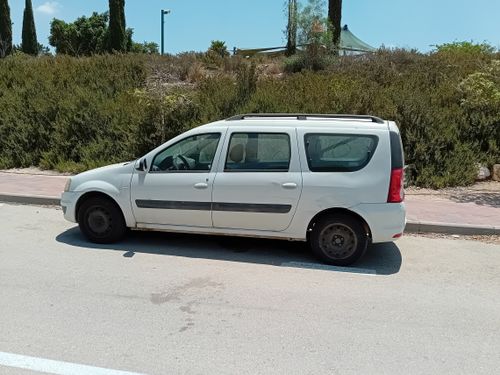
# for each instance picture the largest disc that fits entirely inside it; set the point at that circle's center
(91, 35)
(118, 38)
(84, 37)
(335, 19)
(29, 42)
(149, 48)
(44, 50)
(218, 47)
(5, 29)
(41, 49)
(312, 25)
(291, 30)
(314, 37)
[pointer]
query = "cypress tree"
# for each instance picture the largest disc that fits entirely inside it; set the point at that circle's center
(291, 45)
(5, 29)
(335, 19)
(117, 26)
(29, 42)
(123, 23)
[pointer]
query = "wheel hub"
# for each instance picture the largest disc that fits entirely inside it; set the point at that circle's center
(99, 220)
(338, 241)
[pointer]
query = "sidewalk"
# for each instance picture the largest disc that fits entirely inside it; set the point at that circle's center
(445, 215)
(31, 188)
(477, 213)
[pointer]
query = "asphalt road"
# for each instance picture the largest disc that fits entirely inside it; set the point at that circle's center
(174, 304)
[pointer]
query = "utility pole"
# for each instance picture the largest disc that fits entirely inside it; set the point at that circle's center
(164, 12)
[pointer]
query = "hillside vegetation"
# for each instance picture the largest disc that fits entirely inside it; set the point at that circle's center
(73, 114)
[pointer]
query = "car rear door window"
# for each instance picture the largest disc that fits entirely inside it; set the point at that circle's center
(339, 152)
(258, 152)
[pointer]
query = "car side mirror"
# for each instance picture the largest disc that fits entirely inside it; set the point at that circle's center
(142, 166)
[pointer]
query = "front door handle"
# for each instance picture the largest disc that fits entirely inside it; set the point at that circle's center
(289, 185)
(201, 185)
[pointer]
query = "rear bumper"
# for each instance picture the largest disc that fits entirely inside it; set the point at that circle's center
(386, 220)
(68, 204)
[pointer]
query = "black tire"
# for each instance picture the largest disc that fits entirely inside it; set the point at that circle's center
(338, 239)
(101, 220)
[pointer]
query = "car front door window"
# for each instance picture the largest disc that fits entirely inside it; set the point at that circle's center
(194, 153)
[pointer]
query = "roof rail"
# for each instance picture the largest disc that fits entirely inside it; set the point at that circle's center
(305, 116)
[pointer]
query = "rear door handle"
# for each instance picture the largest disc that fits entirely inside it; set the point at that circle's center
(201, 185)
(289, 185)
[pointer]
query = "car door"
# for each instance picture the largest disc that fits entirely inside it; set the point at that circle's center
(259, 180)
(177, 188)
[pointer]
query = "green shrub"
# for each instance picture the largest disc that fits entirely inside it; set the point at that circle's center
(469, 48)
(308, 61)
(73, 114)
(294, 64)
(56, 109)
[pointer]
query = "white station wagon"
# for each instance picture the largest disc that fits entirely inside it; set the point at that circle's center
(335, 181)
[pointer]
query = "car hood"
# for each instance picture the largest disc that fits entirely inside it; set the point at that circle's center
(118, 175)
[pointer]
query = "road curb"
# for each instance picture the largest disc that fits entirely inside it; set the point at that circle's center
(448, 228)
(35, 200)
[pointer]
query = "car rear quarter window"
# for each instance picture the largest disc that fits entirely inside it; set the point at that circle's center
(339, 152)
(397, 156)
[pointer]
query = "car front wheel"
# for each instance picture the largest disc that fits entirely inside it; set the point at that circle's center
(101, 220)
(338, 239)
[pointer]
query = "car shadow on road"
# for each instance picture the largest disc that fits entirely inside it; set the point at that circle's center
(380, 259)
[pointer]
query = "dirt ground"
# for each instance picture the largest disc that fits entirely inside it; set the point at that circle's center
(489, 186)
(34, 171)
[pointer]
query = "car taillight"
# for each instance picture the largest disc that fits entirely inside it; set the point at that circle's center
(396, 187)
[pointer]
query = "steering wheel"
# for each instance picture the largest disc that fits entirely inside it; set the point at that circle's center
(184, 165)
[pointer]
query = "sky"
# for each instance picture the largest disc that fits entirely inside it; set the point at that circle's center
(193, 24)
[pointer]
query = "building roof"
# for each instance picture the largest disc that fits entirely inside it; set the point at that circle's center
(350, 42)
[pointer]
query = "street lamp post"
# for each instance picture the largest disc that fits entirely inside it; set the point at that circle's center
(164, 12)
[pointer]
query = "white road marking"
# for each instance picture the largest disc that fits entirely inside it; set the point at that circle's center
(49, 366)
(318, 266)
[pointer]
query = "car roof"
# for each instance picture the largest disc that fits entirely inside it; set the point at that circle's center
(303, 120)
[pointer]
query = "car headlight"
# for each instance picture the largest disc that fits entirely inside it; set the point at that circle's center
(68, 185)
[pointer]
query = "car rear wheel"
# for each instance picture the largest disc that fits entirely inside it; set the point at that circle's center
(338, 239)
(101, 220)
